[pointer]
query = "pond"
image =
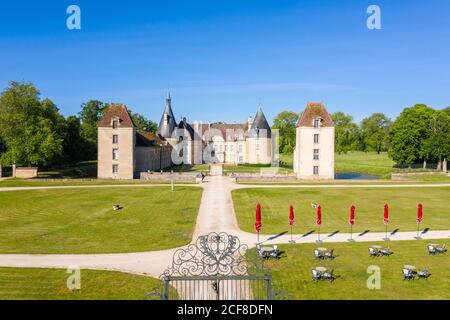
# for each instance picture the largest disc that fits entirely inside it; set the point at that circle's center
(354, 176)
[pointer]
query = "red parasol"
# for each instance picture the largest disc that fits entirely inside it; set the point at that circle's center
(258, 223)
(419, 213)
(319, 215)
(386, 214)
(291, 215)
(351, 220)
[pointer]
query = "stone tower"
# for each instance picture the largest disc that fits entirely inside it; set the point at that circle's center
(116, 141)
(314, 148)
(259, 142)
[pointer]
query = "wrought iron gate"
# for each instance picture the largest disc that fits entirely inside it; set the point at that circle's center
(215, 268)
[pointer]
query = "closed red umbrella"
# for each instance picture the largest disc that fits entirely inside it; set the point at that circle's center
(386, 214)
(291, 215)
(419, 219)
(351, 220)
(319, 220)
(419, 213)
(258, 223)
(291, 221)
(386, 218)
(319, 215)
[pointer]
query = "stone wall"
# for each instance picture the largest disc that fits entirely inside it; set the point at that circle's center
(26, 172)
(258, 177)
(168, 177)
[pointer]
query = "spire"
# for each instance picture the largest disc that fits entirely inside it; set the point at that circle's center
(167, 123)
(260, 122)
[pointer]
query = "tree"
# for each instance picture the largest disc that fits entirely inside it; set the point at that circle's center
(91, 112)
(375, 132)
(286, 122)
(74, 146)
(408, 133)
(437, 144)
(447, 111)
(143, 123)
(346, 132)
(30, 128)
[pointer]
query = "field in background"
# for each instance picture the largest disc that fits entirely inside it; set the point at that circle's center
(83, 220)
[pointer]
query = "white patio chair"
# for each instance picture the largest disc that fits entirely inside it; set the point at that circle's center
(373, 252)
(407, 274)
(316, 276)
(431, 249)
(318, 254)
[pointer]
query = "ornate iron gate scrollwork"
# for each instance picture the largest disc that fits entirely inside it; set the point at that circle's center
(215, 267)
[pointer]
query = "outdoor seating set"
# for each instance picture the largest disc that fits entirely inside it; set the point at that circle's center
(323, 253)
(410, 273)
(434, 249)
(379, 251)
(268, 252)
(321, 274)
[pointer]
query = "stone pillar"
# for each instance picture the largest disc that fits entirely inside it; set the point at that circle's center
(14, 170)
(444, 165)
(1, 170)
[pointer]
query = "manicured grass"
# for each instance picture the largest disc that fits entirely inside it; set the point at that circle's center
(293, 272)
(12, 182)
(83, 220)
(335, 203)
(365, 162)
(51, 284)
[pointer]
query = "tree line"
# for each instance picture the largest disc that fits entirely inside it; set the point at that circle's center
(34, 133)
(419, 134)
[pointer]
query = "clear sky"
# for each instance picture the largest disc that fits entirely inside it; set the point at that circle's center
(222, 58)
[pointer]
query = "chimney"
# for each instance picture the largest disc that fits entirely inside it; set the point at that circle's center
(249, 122)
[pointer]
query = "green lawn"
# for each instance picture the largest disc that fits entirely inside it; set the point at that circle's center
(83, 220)
(365, 162)
(12, 182)
(51, 284)
(293, 272)
(335, 203)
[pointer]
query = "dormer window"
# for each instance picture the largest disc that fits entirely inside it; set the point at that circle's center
(317, 123)
(115, 123)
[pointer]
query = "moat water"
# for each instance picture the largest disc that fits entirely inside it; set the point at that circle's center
(354, 176)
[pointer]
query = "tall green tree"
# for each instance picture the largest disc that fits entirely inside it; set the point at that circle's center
(408, 133)
(91, 112)
(437, 144)
(375, 132)
(74, 145)
(143, 123)
(286, 122)
(31, 128)
(346, 132)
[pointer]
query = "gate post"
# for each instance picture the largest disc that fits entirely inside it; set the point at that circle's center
(166, 288)
(269, 288)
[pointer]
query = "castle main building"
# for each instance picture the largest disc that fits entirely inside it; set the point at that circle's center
(124, 151)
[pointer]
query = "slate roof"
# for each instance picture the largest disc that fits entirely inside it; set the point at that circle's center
(315, 110)
(260, 123)
(166, 131)
(117, 111)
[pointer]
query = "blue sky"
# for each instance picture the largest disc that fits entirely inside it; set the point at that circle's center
(221, 59)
